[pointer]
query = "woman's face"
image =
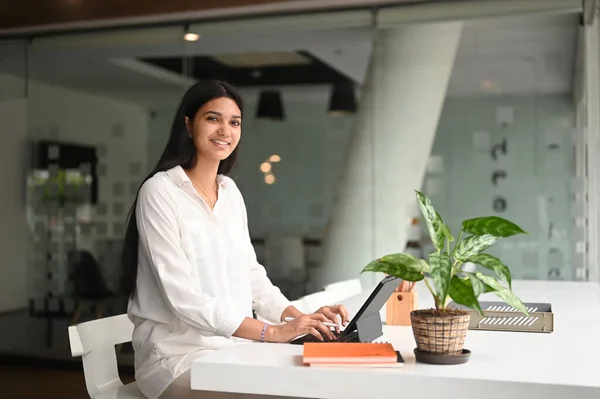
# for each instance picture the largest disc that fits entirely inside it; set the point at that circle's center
(216, 128)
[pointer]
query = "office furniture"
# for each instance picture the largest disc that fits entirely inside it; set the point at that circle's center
(502, 365)
(95, 342)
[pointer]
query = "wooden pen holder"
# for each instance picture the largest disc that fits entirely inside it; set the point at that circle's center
(398, 308)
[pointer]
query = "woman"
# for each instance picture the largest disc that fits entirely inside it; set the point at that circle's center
(188, 264)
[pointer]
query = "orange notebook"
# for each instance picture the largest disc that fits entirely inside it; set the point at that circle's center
(355, 353)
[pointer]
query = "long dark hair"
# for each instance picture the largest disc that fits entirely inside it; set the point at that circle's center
(180, 150)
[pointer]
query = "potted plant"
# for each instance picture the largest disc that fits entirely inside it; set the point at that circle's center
(440, 332)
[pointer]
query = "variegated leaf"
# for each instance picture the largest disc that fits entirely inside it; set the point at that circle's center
(440, 270)
(494, 264)
(464, 292)
(402, 265)
(434, 222)
(472, 245)
(502, 292)
(492, 225)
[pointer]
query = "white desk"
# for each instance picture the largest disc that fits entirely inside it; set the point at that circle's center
(563, 364)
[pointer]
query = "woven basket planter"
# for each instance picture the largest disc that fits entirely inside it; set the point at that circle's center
(440, 332)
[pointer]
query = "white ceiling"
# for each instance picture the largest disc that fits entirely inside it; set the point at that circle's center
(507, 56)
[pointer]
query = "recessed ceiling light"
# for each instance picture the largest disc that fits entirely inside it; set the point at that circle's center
(274, 158)
(191, 37)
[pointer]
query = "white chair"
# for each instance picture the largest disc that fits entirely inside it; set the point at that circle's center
(348, 287)
(95, 342)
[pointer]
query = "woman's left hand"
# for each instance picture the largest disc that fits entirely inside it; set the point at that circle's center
(332, 313)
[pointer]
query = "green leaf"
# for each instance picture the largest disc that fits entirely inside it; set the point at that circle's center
(492, 225)
(403, 265)
(463, 291)
(434, 222)
(472, 245)
(446, 230)
(494, 264)
(503, 293)
(440, 271)
(488, 288)
(478, 286)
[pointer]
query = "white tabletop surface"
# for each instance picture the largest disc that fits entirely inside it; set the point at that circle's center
(565, 363)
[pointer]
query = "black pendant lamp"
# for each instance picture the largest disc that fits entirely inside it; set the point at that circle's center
(270, 105)
(342, 100)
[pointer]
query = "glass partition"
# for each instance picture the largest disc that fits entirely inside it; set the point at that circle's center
(345, 116)
(92, 105)
(505, 140)
(13, 228)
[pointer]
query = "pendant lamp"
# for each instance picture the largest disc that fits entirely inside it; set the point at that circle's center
(342, 101)
(270, 105)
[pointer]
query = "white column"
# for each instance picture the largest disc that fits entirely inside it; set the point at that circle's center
(399, 110)
(591, 73)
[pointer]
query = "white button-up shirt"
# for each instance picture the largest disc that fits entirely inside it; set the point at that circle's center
(198, 277)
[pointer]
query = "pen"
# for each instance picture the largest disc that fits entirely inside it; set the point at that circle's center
(325, 322)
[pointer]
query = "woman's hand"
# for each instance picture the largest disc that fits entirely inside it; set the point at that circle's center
(332, 313)
(305, 324)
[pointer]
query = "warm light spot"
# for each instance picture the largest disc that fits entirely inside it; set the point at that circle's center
(269, 179)
(265, 167)
(274, 158)
(191, 37)
(487, 86)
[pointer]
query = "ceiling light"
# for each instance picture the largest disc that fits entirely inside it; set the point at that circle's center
(265, 167)
(269, 179)
(270, 105)
(342, 100)
(191, 37)
(274, 158)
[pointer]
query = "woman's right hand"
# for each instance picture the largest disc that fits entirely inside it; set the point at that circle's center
(305, 324)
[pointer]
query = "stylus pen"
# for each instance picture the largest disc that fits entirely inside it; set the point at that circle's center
(328, 324)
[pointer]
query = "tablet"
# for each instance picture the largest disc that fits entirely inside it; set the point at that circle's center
(366, 325)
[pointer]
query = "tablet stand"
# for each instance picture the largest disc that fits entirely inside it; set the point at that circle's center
(369, 328)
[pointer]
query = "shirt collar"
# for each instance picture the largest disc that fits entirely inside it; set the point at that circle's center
(181, 179)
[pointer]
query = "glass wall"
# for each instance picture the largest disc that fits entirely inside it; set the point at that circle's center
(13, 162)
(505, 141)
(345, 116)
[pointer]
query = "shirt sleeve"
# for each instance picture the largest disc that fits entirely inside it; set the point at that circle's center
(267, 299)
(156, 215)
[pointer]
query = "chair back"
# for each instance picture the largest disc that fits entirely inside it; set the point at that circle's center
(95, 342)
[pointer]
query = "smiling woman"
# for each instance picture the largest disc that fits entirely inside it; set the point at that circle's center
(215, 131)
(188, 265)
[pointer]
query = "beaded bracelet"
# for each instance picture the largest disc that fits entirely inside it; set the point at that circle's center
(262, 335)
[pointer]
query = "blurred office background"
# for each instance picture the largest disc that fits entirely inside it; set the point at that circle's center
(501, 122)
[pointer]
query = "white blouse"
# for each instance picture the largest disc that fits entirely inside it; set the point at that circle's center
(198, 277)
